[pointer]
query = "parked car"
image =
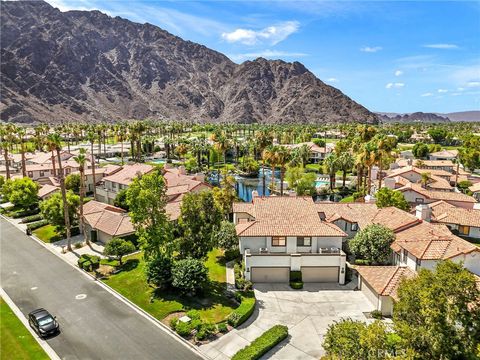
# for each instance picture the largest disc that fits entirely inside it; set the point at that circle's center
(43, 322)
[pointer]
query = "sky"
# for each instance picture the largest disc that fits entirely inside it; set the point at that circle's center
(397, 56)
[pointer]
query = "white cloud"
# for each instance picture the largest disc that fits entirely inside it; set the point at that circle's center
(268, 54)
(426, 94)
(332, 80)
(456, 94)
(460, 89)
(473, 84)
(441, 46)
(371, 49)
(272, 34)
(394, 85)
(442, 91)
(398, 72)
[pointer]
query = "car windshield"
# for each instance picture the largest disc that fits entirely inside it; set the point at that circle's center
(45, 320)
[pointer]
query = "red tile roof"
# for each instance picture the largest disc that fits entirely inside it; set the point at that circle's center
(128, 173)
(438, 195)
(448, 214)
(385, 279)
(286, 216)
(107, 218)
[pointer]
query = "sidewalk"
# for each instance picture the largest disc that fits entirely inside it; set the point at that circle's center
(72, 257)
(230, 276)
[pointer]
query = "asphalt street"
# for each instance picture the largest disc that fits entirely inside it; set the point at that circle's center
(94, 323)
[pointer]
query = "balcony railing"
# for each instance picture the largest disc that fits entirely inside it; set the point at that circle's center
(321, 251)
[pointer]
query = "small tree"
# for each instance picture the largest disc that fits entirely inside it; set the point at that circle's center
(72, 182)
(420, 150)
(118, 247)
(159, 271)
(388, 197)
(226, 236)
(22, 192)
(53, 211)
(121, 200)
(373, 244)
(189, 276)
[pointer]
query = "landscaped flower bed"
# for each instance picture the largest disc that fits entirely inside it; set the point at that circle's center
(261, 345)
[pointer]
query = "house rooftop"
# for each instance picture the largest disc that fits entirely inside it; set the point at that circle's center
(445, 213)
(438, 195)
(385, 279)
(285, 216)
(109, 219)
(128, 172)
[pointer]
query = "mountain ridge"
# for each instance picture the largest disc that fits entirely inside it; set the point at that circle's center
(87, 66)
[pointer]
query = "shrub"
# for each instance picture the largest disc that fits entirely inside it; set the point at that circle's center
(88, 262)
(159, 271)
(193, 314)
(183, 329)
(189, 275)
(173, 322)
(244, 311)
(31, 218)
(222, 327)
(262, 344)
(37, 224)
(118, 247)
(24, 213)
(297, 285)
(232, 254)
(295, 276)
(205, 331)
(78, 245)
(362, 262)
(376, 314)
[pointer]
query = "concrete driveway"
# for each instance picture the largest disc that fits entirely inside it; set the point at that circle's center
(307, 313)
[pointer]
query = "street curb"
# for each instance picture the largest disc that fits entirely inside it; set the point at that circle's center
(119, 296)
(18, 313)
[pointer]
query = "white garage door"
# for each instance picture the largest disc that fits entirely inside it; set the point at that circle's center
(369, 293)
(326, 274)
(270, 274)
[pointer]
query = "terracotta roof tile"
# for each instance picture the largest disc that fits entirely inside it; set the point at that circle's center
(385, 279)
(128, 173)
(448, 214)
(108, 219)
(438, 195)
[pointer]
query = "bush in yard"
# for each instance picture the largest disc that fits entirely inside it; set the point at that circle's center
(183, 329)
(373, 244)
(118, 247)
(52, 209)
(205, 330)
(226, 236)
(222, 327)
(31, 218)
(295, 276)
(244, 311)
(24, 213)
(193, 314)
(35, 225)
(22, 192)
(261, 345)
(297, 285)
(159, 271)
(173, 322)
(376, 314)
(88, 262)
(189, 276)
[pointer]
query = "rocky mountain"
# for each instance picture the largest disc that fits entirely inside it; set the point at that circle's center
(467, 116)
(413, 117)
(87, 66)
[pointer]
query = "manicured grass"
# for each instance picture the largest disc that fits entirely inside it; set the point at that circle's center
(347, 199)
(212, 305)
(16, 341)
(47, 234)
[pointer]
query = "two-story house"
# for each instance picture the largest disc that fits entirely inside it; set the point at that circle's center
(282, 234)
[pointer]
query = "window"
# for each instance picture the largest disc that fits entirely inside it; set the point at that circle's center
(279, 241)
(304, 241)
(419, 262)
(464, 230)
(30, 174)
(322, 216)
(405, 254)
(419, 200)
(354, 227)
(42, 173)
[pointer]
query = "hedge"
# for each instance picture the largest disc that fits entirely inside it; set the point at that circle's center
(88, 262)
(32, 218)
(297, 285)
(23, 213)
(244, 311)
(261, 345)
(37, 224)
(295, 276)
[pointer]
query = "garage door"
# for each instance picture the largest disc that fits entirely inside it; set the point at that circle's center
(325, 274)
(270, 274)
(369, 293)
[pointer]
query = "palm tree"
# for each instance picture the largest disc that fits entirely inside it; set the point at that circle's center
(52, 148)
(21, 138)
(282, 157)
(331, 164)
(54, 141)
(370, 156)
(268, 156)
(262, 140)
(425, 179)
(7, 136)
(345, 163)
(81, 160)
(182, 149)
(221, 144)
(91, 139)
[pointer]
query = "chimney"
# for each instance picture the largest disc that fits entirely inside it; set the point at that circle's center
(423, 212)
(389, 183)
(374, 172)
(369, 199)
(199, 177)
(409, 162)
(181, 170)
(254, 193)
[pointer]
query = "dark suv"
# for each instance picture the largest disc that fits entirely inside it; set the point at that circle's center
(43, 322)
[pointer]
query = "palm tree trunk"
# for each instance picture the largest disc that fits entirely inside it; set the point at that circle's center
(359, 177)
(7, 163)
(24, 166)
(53, 164)
(380, 173)
(82, 196)
(64, 198)
(344, 178)
(121, 149)
(282, 174)
(369, 186)
(93, 172)
(456, 174)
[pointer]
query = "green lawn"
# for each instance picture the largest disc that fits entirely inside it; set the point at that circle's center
(347, 199)
(213, 305)
(47, 234)
(16, 341)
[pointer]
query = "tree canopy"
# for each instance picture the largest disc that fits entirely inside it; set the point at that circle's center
(21, 192)
(118, 247)
(387, 197)
(146, 198)
(373, 244)
(53, 211)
